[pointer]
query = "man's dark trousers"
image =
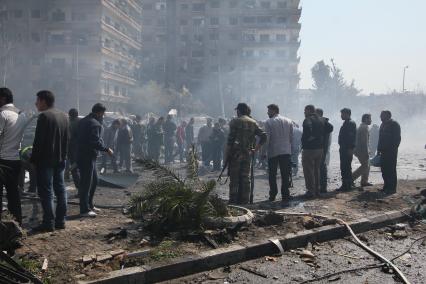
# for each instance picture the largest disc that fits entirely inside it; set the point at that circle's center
(283, 161)
(346, 156)
(388, 161)
(88, 183)
(49, 178)
(10, 180)
(323, 174)
(206, 153)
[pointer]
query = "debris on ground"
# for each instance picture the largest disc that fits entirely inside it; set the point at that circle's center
(253, 271)
(10, 235)
(268, 219)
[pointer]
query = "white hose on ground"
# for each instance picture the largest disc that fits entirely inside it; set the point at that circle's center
(364, 246)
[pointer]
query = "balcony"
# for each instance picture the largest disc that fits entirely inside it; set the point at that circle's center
(116, 55)
(109, 75)
(121, 36)
(122, 15)
(113, 98)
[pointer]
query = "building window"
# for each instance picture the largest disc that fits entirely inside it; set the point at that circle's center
(198, 7)
(198, 38)
(18, 14)
(248, 53)
(281, 20)
(249, 37)
(233, 3)
(57, 39)
(281, 4)
(58, 16)
(184, 6)
(233, 21)
(35, 14)
(147, 22)
(280, 69)
(58, 62)
(78, 16)
(214, 68)
(250, 4)
(281, 53)
(233, 36)
(183, 22)
(35, 37)
(264, 69)
(160, 6)
(148, 6)
(232, 52)
(281, 37)
(106, 87)
(214, 3)
(161, 23)
(198, 22)
(265, 5)
(197, 53)
(116, 90)
(213, 52)
(264, 20)
(214, 21)
(148, 38)
(214, 36)
(249, 20)
(264, 38)
(108, 66)
(36, 61)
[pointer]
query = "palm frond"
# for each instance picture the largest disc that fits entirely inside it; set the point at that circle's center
(161, 172)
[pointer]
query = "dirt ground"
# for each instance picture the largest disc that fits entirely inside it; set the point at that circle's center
(94, 236)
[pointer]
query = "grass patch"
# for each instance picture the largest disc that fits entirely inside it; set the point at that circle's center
(165, 250)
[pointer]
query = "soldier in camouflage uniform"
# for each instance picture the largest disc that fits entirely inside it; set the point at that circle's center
(241, 143)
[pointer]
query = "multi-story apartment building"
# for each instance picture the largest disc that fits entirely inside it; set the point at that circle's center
(85, 51)
(224, 51)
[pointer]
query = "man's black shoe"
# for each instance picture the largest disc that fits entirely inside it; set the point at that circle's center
(343, 189)
(271, 198)
(60, 226)
(42, 229)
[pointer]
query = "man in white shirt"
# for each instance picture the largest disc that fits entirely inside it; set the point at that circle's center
(12, 126)
(279, 144)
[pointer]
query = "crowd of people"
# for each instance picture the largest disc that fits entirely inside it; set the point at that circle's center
(69, 144)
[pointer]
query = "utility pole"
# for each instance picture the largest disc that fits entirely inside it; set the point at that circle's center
(403, 79)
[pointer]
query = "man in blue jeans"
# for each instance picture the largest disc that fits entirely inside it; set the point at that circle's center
(89, 143)
(50, 148)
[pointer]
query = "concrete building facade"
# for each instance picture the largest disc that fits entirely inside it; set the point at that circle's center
(85, 51)
(224, 51)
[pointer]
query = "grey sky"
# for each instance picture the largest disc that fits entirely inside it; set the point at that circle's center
(371, 40)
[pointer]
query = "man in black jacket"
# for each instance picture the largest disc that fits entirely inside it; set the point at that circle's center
(312, 146)
(328, 129)
(49, 153)
(347, 141)
(89, 143)
(389, 140)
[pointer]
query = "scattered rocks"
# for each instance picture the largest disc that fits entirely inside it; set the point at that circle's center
(399, 234)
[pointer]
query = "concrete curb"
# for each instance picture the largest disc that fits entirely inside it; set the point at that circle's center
(234, 254)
